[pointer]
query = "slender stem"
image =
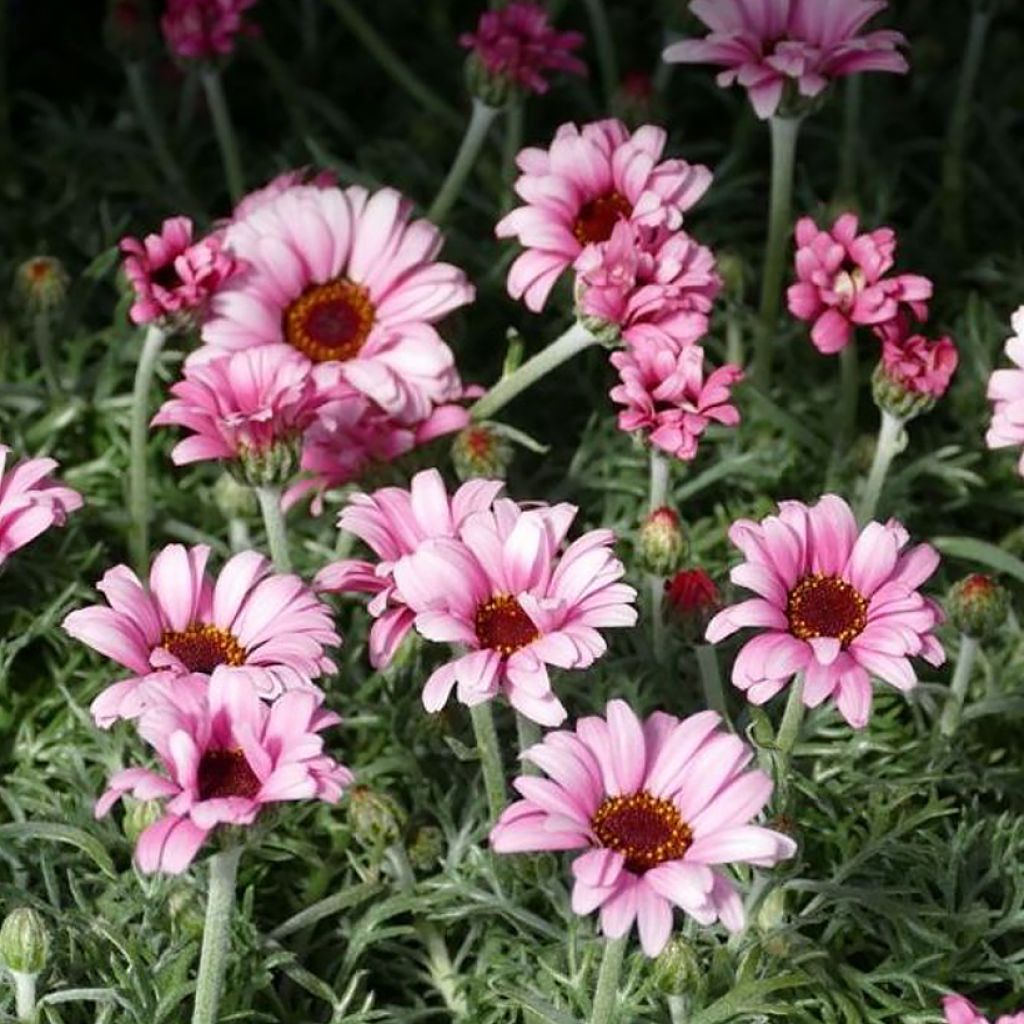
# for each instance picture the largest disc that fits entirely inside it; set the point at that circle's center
(605, 46)
(273, 519)
(733, 340)
(238, 534)
(213, 960)
(659, 478)
(490, 757)
(958, 687)
(606, 997)
(890, 442)
(24, 996)
(574, 340)
(529, 735)
(785, 131)
(849, 386)
(711, 679)
(657, 497)
(853, 96)
(789, 731)
(225, 132)
(138, 476)
(480, 121)
(679, 1009)
(41, 325)
(514, 117)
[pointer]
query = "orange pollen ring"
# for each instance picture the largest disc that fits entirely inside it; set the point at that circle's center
(501, 625)
(202, 648)
(826, 606)
(647, 830)
(330, 322)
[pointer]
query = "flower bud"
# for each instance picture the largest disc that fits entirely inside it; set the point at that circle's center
(269, 467)
(233, 498)
(661, 546)
(490, 89)
(481, 450)
(772, 912)
(731, 269)
(894, 398)
(377, 818)
(426, 848)
(41, 284)
(978, 606)
(138, 816)
(691, 599)
(24, 942)
(676, 970)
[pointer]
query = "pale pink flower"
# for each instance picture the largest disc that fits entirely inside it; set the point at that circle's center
(243, 404)
(250, 624)
(393, 523)
(576, 191)
(282, 183)
(914, 362)
(835, 603)
(667, 397)
(225, 756)
(345, 278)
(842, 281)
(516, 44)
(959, 1010)
(659, 806)
(513, 602)
(1006, 392)
(768, 45)
(30, 501)
(659, 288)
(171, 274)
(204, 29)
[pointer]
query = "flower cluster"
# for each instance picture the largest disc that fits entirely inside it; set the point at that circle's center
(1006, 392)
(204, 29)
(959, 1010)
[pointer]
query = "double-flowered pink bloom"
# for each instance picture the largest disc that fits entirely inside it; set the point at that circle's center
(579, 189)
(843, 282)
(252, 626)
(959, 1010)
(659, 806)
(915, 363)
(225, 756)
(30, 501)
(204, 29)
(769, 46)
(1006, 392)
(835, 603)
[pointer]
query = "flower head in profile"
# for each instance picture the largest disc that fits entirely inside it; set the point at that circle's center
(350, 281)
(31, 501)
(513, 49)
(786, 52)
(843, 282)
(225, 756)
(668, 398)
(41, 284)
(576, 191)
(513, 602)
(959, 1010)
(914, 372)
(691, 598)
(204, 29)
(834, 602)
(658, 808)
(250, 624)
(1006, 393)
(172, 275)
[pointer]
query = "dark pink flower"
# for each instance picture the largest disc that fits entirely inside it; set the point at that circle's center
(914, 362)
(203, 29)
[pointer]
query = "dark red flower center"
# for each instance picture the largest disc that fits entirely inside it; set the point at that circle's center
(598, 217)
(645, 829)
(502, 625)
(226, 773)
(202, 648)
(165, 277)
(822, 605)
(330, 321)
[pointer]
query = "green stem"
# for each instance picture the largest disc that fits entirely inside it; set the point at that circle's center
(789, 730)
(490, 758)
(890, 442)
(138, 475)
(849, 386)
(733, 339)
(711, 679)
(785, 132)
(480, 121)
(660, 468)
(213, 960)
(238, 534)
(44, 350)
(657, 497)
(853, 96)
(528, 734)
(515, 112)
(24, 996)
(225, 132)
(606, 998)
(605, 46)
(679, 1009)
(273, 519)
(574, 340)
(950, 720)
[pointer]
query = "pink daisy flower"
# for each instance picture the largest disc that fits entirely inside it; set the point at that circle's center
(516, 45)
(835, 603)
(915, 363)
(959, 1010)
(345, 278)
(242, 405)
(250, 624)
(393, 523)
(507, 596)
(661, 289)
(282, 183)
(842, 281)
(776, 49)
(576, 191)
(225, 757)
(1006, 392)
(30, 501)
(172, 275)
(666, 395)
(204, 29)
(659, 806)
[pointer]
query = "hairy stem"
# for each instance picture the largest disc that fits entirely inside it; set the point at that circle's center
(657, 497)
(528, 734)
(849, 382)
(220, 904)
(951, 713)
(711, 679)
(225, 132)
(606, 997)
(273, 519)
(890, 442)
(24, 996)
(480, 121)
(679, 1009)
(490, 758)
(789, 730)
(853, 96)
(513, 142)
(43, 336)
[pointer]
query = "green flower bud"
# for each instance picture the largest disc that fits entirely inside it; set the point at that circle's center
(269, 467)
(233, 498)
(894, 398)
(377, 818)
(138, 816)
(772, 912)
(978, 606)
(481, 450)
(676, 970)
(41, 284)
(24, 941)
(426, 848)
(661, 546)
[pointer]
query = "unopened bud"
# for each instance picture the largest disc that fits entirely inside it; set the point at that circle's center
(41, 284)
(978, 606)
(661, 546)
(272, 466)
(24, 942)
(233, 498)
(138, 816)
(377, 818)
(691, 599)
(426, 848)
(896, 399)
(676, 970)
(481, 450)
(772, 912)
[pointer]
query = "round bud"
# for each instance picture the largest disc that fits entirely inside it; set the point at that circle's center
(269, 467)
(896, 399)
(481, 450)
(377, 818)
(138, 816)
(691, 599)
(24, 941)
(426, 848)
(41, 284)
(978, 606)
(661, 546)
(676, 970)
(772, 912)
